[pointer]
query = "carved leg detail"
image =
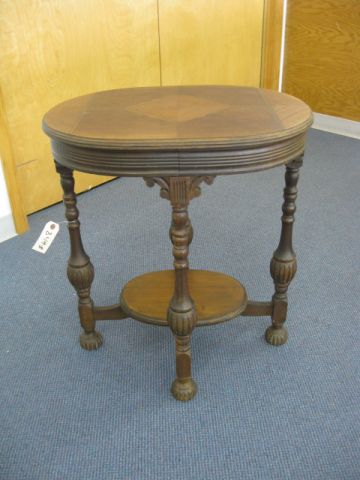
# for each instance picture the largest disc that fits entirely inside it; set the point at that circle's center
(181, 314)
(283, 264)
(183, 387)
(80, 270)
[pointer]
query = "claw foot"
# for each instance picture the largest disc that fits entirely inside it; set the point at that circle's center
(91, 341)
(276, 336)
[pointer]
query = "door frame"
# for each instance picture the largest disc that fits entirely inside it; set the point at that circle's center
(274, 10)
(10, 174)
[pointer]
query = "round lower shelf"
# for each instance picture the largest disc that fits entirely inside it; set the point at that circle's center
(217, 297)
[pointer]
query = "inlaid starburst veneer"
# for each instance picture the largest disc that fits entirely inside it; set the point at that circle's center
(178, 108)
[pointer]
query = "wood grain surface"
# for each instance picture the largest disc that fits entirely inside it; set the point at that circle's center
(177, 117)
(172, 131)
(58, 49)
(322, 55)
(217, 297)
(210, 42)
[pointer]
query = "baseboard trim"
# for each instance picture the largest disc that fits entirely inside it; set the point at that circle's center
(7, 229)
(341, 126)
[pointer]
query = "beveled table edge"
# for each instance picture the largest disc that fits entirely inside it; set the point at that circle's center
(176, 143)
(179, 144)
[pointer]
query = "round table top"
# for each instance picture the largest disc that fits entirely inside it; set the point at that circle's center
(178, 130)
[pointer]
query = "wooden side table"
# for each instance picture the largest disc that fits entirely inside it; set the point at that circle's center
(178, 138)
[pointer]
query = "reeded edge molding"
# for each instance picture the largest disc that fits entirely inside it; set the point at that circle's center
(171, 163)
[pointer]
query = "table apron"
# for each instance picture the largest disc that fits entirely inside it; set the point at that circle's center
(136, 163)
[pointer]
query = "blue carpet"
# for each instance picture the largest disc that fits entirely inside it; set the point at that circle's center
(261, 412)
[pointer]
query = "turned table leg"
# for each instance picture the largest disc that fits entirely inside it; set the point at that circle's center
(80, 270)
(283, 263)
(181, 313)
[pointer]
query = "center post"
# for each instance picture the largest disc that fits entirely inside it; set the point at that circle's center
(181, 314)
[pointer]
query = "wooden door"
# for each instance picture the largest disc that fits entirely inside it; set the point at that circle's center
(210, 42)
(55, 50)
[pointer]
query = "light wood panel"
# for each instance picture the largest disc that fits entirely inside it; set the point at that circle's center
(271, 43)
(55, 50)
(211, 42)
(322, 55)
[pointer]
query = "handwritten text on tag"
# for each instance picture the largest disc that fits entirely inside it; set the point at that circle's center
(46, 237)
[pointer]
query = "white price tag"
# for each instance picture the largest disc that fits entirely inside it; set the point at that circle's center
(46, 237)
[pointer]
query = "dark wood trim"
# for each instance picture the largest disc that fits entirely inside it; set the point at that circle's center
(161, 162)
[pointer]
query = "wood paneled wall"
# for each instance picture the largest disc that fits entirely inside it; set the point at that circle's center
(211, 42)
(322, 55)
(58, 49)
